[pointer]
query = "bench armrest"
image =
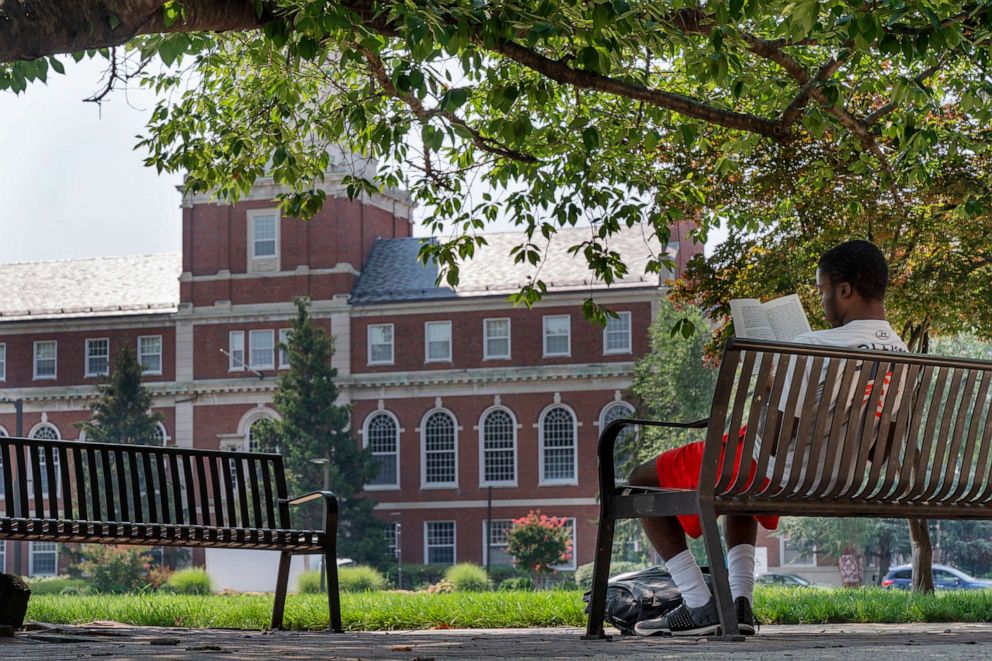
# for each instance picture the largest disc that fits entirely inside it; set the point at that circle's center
(608, 438)
(330, 509)
(307, 497)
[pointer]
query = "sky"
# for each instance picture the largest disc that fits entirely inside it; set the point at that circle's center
(72, 185)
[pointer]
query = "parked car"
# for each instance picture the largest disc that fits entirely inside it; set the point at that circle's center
(783, 579)
(944, 578)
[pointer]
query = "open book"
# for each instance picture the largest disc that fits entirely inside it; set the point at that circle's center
(782, 319)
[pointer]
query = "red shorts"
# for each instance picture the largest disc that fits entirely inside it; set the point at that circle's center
(679, 469)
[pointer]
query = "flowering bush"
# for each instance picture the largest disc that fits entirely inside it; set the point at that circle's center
(114, 569)
(538, 542)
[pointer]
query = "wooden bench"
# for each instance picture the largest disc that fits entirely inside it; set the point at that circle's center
(894, 435)
(69, 491)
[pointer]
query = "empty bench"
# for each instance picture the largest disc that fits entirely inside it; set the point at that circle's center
(893, 435)
(99, 493)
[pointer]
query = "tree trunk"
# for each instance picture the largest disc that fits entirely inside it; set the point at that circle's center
(33, 28)
(919, 534)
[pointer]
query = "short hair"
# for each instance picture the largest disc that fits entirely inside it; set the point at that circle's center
(860, 264)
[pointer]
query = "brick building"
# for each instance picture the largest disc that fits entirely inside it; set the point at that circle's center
(460, 395)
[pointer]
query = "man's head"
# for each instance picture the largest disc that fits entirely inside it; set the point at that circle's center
(851, 279)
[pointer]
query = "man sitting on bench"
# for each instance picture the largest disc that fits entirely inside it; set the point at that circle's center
(851, 279)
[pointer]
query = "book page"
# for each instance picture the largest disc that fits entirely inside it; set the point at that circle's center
(786, 317)
(750, 319)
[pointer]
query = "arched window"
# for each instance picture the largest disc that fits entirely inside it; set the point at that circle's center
(439, 436)
(46, 432)
(498, 433)
(248, 428)
(558, 451)
(161, 436)
(623, 450)
(382, 437)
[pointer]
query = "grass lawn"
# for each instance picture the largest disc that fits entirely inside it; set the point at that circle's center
(377, 611)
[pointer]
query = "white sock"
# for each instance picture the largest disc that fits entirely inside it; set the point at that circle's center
(689, 579)
(740, 567)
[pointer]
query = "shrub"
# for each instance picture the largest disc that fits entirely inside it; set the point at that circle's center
(360, 578)
(467, 577)
(517, 583)
(420, 576)
(158, 576)
(309, 582)
(58, 585)
(441, 587)
(537, 542)
(189, 581)
(583, 575)
(115, 569)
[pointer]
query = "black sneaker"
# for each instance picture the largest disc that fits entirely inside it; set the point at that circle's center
(746, 623)
(683, 621)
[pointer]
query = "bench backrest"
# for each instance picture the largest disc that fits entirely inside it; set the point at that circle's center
(893, 427)
(81, 481)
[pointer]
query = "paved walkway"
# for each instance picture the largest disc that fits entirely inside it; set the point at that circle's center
(778, 643)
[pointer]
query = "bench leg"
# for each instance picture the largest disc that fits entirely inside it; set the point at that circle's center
(282, 582)
(718, 572)
(600, 577)
(333, 594)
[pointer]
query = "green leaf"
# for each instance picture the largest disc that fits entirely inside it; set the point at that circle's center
(590, 138)
(56, 65)
(114, 21)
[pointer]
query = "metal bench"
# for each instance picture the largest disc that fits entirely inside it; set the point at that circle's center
(894, 434)
(69, 491)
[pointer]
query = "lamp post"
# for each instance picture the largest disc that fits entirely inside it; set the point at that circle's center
(326, 463)
(399, 552)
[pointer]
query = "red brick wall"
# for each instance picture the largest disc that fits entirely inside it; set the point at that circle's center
(71, 359)
(526, 338)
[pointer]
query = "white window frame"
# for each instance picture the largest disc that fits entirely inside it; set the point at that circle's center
(3, 363)
(264, 262)
(261, 332)
(235, 364)
(454, 542)
(392, 344)
(32, 553)
(427, 341)
(571, 565)
(55, 359)
(164, 432)
(630, 341)
(284, 353)
(365, 444)
(783, 541)
(483, 482)
(544, 336)
(90, 373)
(485, 544)
(38, 455)
(628, 413)
(143, 354)
(424, 484)
(574, 480)
(486, 337)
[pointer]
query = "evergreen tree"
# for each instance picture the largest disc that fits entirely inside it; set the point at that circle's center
(312, 427)
(122, 414)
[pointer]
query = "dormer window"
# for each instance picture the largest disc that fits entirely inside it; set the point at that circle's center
(263, 240)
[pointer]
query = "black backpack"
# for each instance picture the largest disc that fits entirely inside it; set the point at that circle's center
(640, 595)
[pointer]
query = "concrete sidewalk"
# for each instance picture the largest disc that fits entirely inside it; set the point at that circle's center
(884, 642)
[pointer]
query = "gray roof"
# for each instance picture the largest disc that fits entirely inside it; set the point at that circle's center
(108, 286)
(392, 271)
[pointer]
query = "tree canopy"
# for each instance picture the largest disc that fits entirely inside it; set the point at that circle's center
(550, 113)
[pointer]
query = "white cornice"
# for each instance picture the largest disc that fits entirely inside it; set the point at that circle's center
(492, 376)
(339, 268)
(262, 312)
(478, 504)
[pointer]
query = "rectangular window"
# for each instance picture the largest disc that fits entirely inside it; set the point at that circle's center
(437, 337)
(3, 363)
(264, 235)
(236, 351)
(262, 349)
(496, 339)
(283, 348)
(45, 359)
(44, 559)
(389, 536)
(439, 540)
(381, 344)
(558, 335)
(569, 563)
(494, 553)
(150, 354)
(793, 557)
(98, 357)
(616, 335)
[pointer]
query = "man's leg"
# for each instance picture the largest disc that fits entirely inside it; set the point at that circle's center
(668, 538)
(741, 533)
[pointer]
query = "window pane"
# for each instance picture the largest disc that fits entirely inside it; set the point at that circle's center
(381, 343)
(3, 361)
(441, 542)
(496, 551)
(617, 334)
(559, 445)
(556, 335)
(499, 447)
(283, 351)
(438, 341)
(439, 449)
(497, 332)
(44, 358)
(44, 558)
(624, 447)
(265, 236)
(97, 357)
(262, 348)
(381, 439)
(236, 350)
(150, 353)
